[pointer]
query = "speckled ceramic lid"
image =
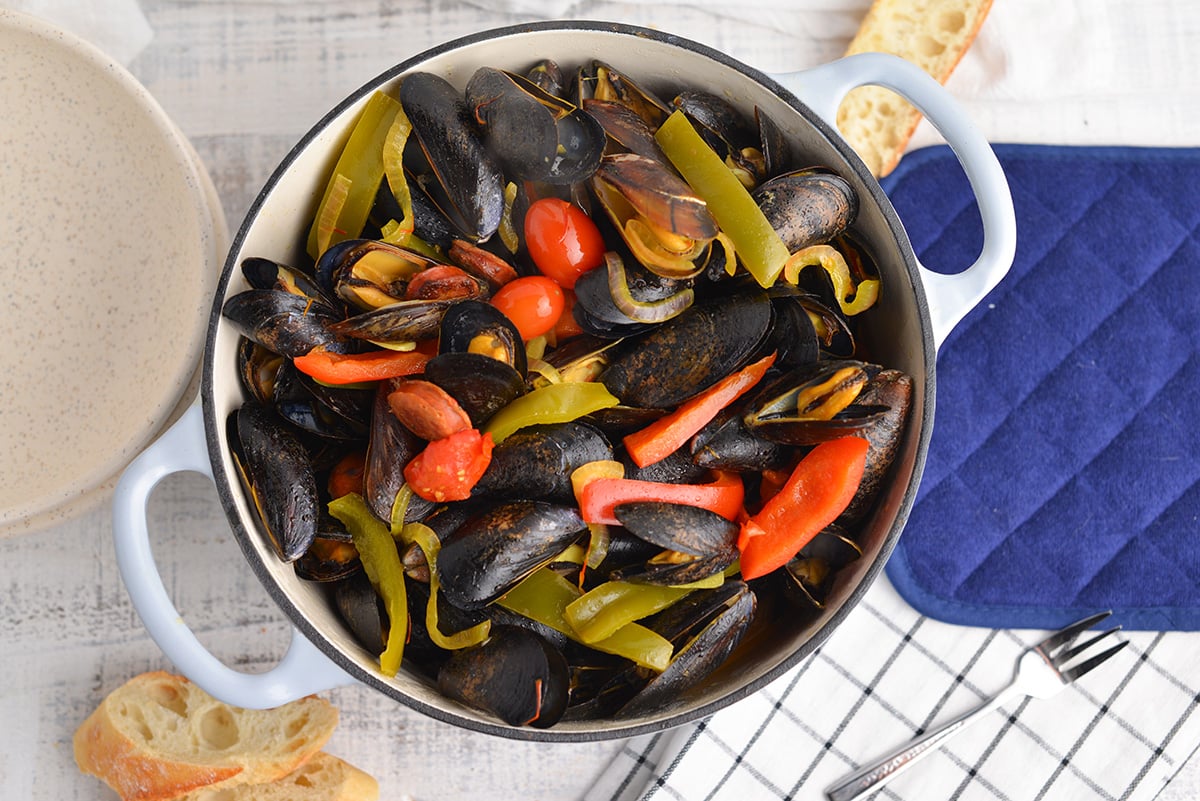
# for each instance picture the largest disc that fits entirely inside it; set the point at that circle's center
(111, 239)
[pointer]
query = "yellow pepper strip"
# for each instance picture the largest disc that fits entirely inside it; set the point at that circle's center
(554, 403)
(361, 163)
(393, 168)
(852, 299)
(544, 596)
(399, 510)
(427, 540)
(381, 561)
(599, 612)
(758, 245)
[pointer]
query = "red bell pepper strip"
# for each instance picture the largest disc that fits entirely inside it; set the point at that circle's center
(723, 495)
(819, 489)
(449, 468)
(352, 368)
(667, 434)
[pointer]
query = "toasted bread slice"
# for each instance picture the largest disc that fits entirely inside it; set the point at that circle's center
(159, 736)
(322, 778)
(934, 35)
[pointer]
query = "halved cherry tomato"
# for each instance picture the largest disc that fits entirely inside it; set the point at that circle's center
(563, 241)
(533, 303)
(448, 468)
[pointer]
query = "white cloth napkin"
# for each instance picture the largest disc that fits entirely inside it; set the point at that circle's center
(117, 27)
(888, 674)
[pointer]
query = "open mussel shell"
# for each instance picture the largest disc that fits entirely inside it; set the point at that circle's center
(601, 81)
(807, 207)
(332, 555)
(718, 634)
(809, 575)
(336, 413)
(625, 128)
(451, 163)
(257, 368)
(696, 543)
(474, 326)
(814, 403)
(691, 352)
(263, 273)
(516, 675)
(491, 553)
(278, 475)
(536, 135)
(890, 391)
(402, 321)
(537, 461)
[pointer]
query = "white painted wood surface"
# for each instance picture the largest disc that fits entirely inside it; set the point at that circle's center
(244, 80)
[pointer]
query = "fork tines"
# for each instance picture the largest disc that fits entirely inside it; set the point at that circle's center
(1069, 633)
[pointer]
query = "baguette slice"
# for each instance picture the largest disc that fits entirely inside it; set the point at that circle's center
(322, 778)
(159, 736)
(934, 35)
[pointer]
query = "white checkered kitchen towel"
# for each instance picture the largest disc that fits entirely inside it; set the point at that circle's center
(886, 675)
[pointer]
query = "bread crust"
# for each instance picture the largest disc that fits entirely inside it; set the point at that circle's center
(151, 739)
(878, 123)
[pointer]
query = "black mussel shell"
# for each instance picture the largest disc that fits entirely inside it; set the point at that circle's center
(491, 553)
(402, 321)
(537, 461)
(891, 391)
(516, 675)
(535, 135)
(451, 163)
(362, 611)
(481, 385)
(474, 326)
(679, 527)
(548, 76)
(257, 368)
(390, 447)
(807, 207)
(286, 323)
(335, 413)
(277, 469)
(700, 656)
(691, 352)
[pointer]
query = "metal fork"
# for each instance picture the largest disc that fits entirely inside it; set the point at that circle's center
(1042, 671)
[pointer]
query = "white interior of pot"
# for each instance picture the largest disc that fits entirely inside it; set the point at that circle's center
(277, 229)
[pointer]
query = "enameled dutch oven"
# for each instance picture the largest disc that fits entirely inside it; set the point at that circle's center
(917, 310)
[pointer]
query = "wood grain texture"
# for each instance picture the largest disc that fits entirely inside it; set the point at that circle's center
(244, 80)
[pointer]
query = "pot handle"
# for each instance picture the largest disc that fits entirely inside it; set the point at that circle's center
(302, 671)
(950, 297)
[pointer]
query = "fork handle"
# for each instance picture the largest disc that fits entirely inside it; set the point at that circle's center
(873, 776)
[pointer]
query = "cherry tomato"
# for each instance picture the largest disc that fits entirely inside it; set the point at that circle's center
(563, 241)
(533, 303)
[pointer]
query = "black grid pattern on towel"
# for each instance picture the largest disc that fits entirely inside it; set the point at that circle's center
(888, 675)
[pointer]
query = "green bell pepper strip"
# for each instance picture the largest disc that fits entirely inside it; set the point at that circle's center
(758, 246)
(555, 403)
(544, 596)
(600, 612)
(358, 171)
(428, 542)
(381, 561)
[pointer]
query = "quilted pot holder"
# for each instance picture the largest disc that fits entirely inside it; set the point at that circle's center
(1062, 472)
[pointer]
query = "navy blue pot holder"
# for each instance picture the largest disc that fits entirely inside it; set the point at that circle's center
(1064, 464)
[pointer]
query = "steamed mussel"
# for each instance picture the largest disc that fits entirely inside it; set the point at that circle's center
(556, 525)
